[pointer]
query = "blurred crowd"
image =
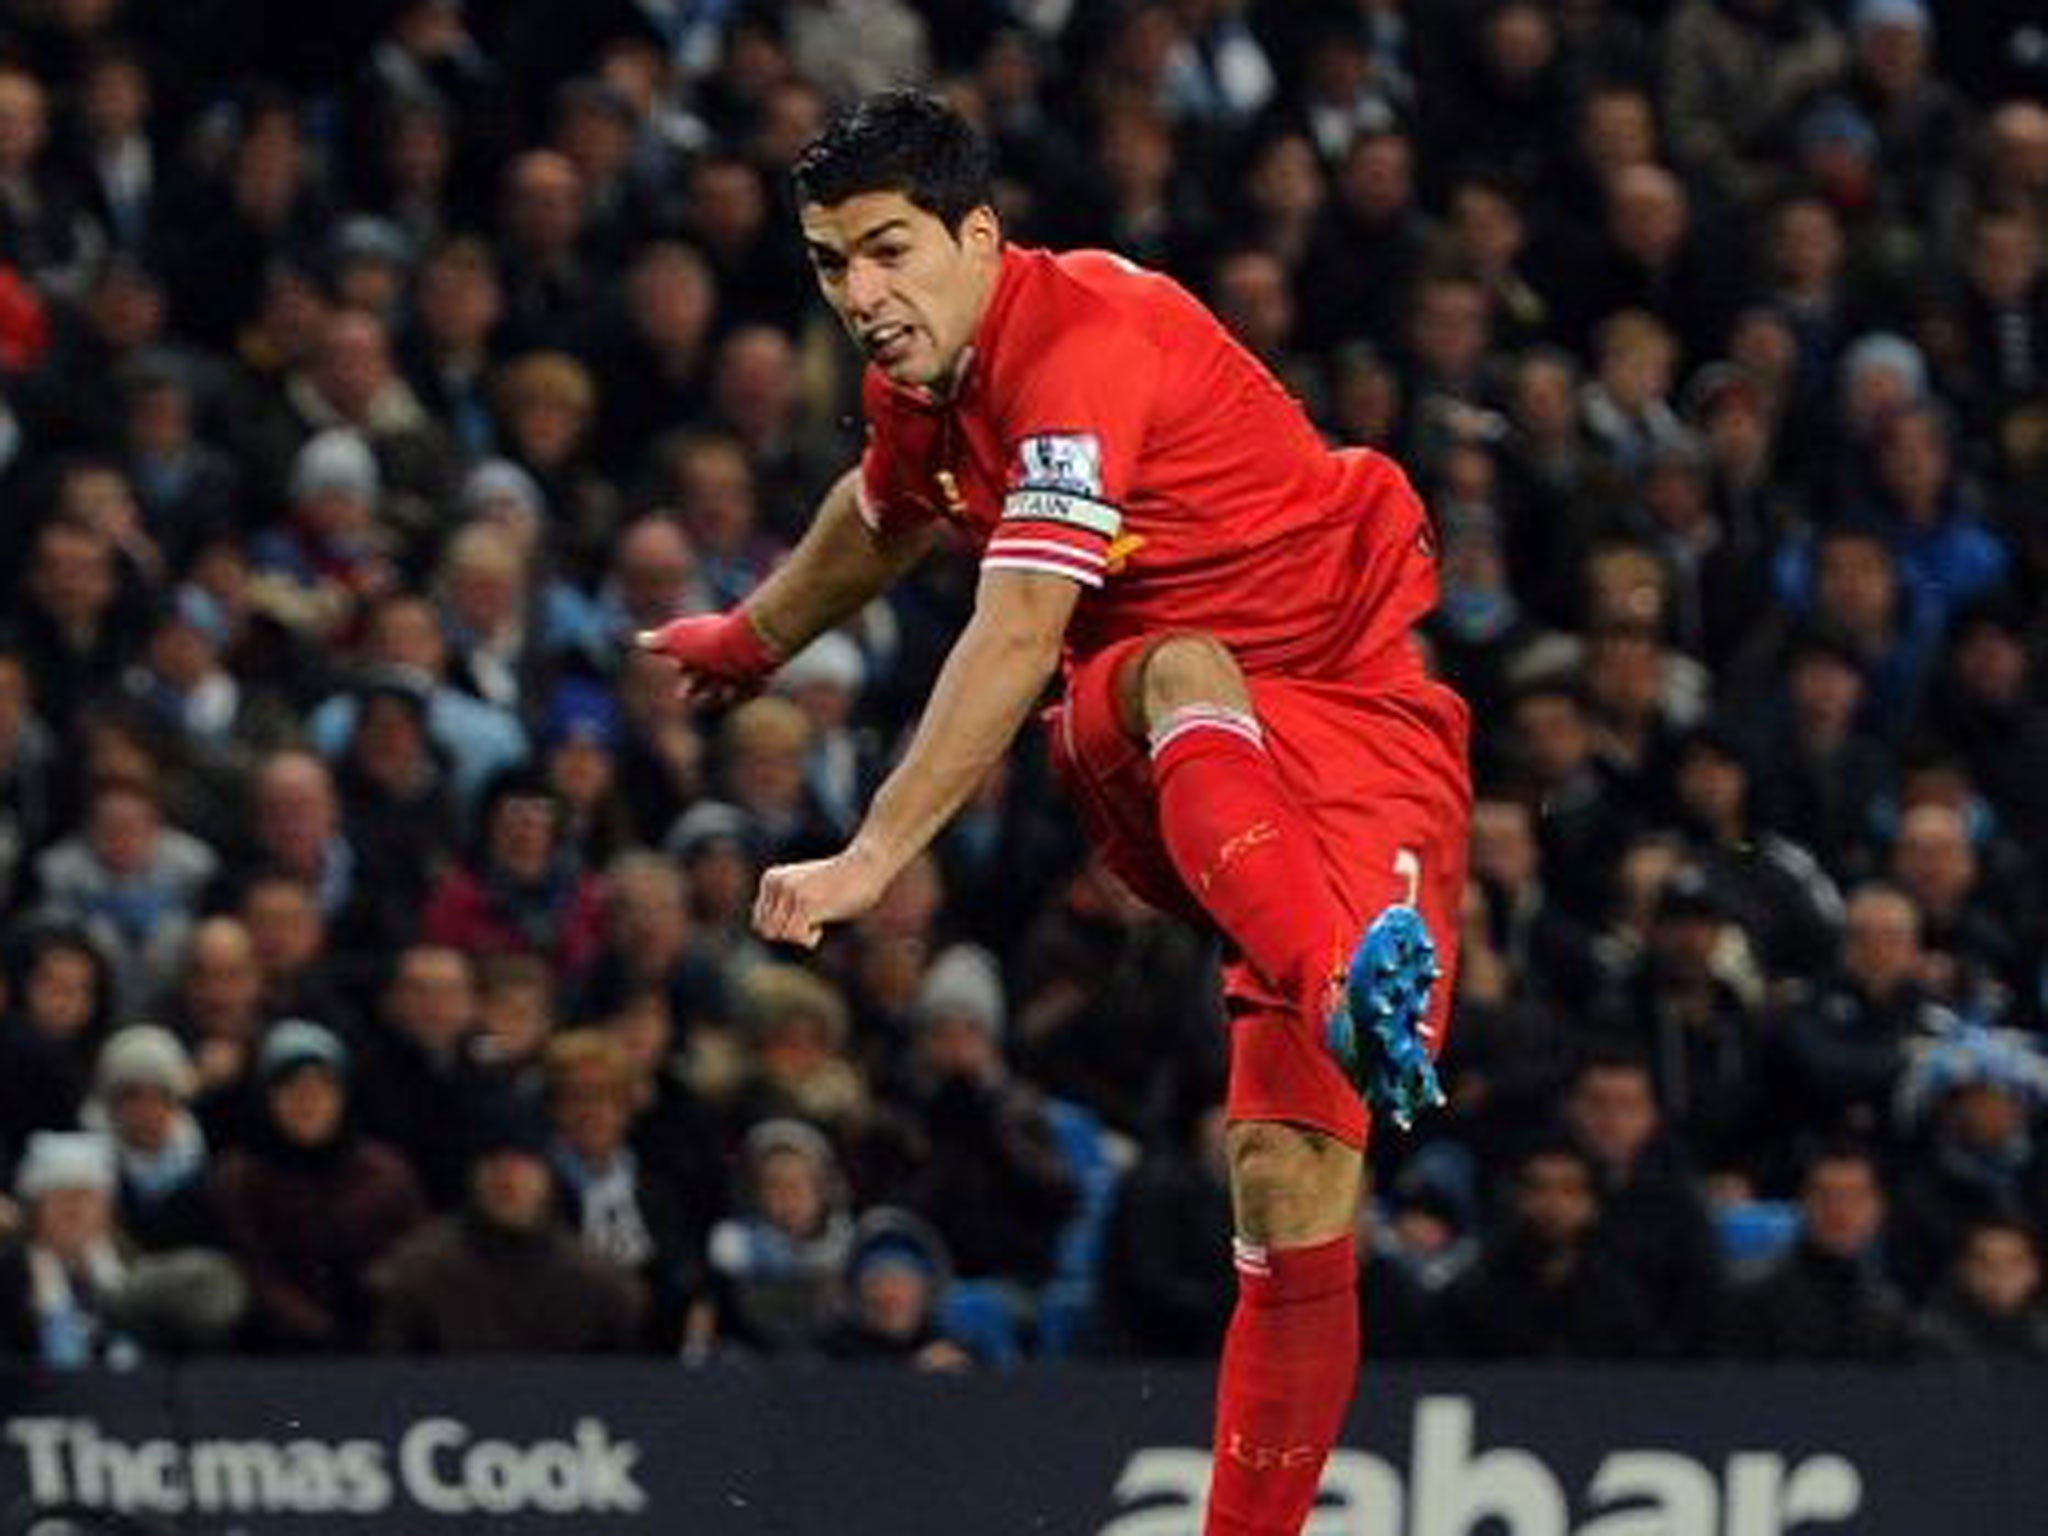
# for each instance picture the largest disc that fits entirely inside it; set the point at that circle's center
(376, 964)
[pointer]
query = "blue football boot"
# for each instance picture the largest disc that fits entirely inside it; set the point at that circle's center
(1375, 1029)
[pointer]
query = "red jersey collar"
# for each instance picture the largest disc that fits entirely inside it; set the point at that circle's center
(986, 329)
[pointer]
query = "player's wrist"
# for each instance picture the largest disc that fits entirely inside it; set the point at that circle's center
(756, 634)
(875, 857)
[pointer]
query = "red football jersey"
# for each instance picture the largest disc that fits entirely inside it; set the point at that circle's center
(1105, 427)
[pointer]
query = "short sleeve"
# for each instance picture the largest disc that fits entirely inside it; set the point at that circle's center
(1071, 430)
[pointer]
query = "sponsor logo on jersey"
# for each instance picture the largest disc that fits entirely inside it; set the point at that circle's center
(1065, 462)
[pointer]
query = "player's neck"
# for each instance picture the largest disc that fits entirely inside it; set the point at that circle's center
(953, 382)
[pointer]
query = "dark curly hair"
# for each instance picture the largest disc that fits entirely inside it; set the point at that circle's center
(898, 141)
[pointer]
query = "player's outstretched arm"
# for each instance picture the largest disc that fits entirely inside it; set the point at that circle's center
(995, 673)
(836, 569)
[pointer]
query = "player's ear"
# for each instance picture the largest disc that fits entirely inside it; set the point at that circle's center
(981, 231)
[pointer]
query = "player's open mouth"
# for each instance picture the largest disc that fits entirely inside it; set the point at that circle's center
(887, 343)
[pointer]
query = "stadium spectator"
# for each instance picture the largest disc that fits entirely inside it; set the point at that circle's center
(396, 801)
(757, 397)
(628, 1212)
(401, 635)
(1167, 1289)
(1544, 1286)
(1110, 989)
(651, 944)
(1651, 1220)
(49, 238)
(547, 404)
(524, 889)
(517, 1012)
(1966, 1103)
(504, 1275)
(1972, 941)
(116, 158)
(28, 778)
(450, 351)
(60, 1005)
(72, 621)
(1773, 885)
(1830, 1297)
(992, 1179)
(777, 1262)
(895, 1278)
(1847, 1048)
(1821, 772)
(1990, 1306)
(1587, 821)
(310, 1204)
(301, 973)
(1692, 1002)
(143, 1085)
(420, 1085)
(798, 1060)
(75, 1296)
(130, 881)
(764, 748)
(549, 285)
(709, 479)
(1736, 72)
(657, 366)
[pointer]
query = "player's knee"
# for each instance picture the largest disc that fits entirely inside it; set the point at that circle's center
(1190, 669)
(1291, 1185)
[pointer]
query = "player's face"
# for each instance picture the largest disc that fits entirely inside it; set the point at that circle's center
(908, 289)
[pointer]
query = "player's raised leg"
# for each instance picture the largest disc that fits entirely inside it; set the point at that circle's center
(1240, 843)
(1249, 855)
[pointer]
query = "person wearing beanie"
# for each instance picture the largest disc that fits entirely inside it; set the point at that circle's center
(1970, 1097)
(776, 1263)
(310, 1204)
(719, 847)
(580, 740)
(143, 1085)
(995, 1184)
(825, 680)
(76, 1292)
(501, 495)
(57, 1280)
(314, 565)
(896, 1273)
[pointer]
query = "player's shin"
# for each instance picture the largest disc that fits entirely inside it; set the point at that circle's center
(1245, 851)
(1290, 1363)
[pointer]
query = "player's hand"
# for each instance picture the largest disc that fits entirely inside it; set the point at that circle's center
(797, 900)
(722, 657)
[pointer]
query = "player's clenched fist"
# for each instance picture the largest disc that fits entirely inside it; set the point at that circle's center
(797, 900)
(722, 657)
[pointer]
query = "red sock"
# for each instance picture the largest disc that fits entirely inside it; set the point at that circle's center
(1290, 1362)
(1245, 851)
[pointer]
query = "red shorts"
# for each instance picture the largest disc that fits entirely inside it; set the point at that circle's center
(1380, 776)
